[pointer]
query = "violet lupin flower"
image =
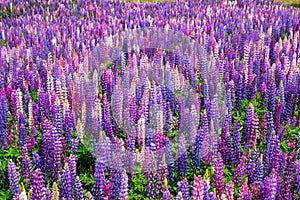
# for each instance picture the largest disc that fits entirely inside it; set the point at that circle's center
(68, 127)
(58, 150)
(124, 187)
(247, 125)
(99, 180)
(198, 154)
(26, 163)
(72, 167)
(271, 92)
(13, 179)
(183, 189)
(288, 177)
(66, 185)
(236, 143)
(37, 184)
(78, 189)
(297, 180)
(218, 177)
(182, 154)
(239, 93)
(239, 171)
(273, 185)
(225, 148)
(22, 130)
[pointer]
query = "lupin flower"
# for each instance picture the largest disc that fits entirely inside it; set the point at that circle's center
(66, 185)
(218, 177)
(198, 154)
(58, 150)
(99, 180)
(124, 187)
(198, 188)
(225, 143)
(271, 92)
(239, 93)
(247, 125)
(183, 189)
(239, 171)
(236, 143)
(37, 185)
(79, 194)
(244, 190)
(263, 129)
(273, 185)
(26, 163)
(254, 131)
(229, 190)
(13, 179)
(22, 130)
(182, 156)
(288, 177)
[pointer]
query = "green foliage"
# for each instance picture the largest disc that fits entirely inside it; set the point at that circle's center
(138, 189)
(85, 161)
(284, 146)
(109, 65)
(3, 43)
(87, 180)
(34, 96)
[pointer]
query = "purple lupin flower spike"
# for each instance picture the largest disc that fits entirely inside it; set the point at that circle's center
(254, 131)
(273, 185)
(22, 130)
(72, 167)
(13, 179)
(37, 184)
(288, 177)
(26, 163)
(58, 150)
(236, 143)
(99, 180)
(182, 156)
(66, 185)
(124, 187)
(79, 194)
(183, 189)
(247, 125)
(239, 171)
(218, 177)
(198, 149)
(297, 180)
(263, 129)
(225, 143)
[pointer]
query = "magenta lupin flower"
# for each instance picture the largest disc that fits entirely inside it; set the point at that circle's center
(229, 190)
(198, 188)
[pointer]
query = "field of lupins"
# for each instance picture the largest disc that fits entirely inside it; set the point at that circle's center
(197, 100)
